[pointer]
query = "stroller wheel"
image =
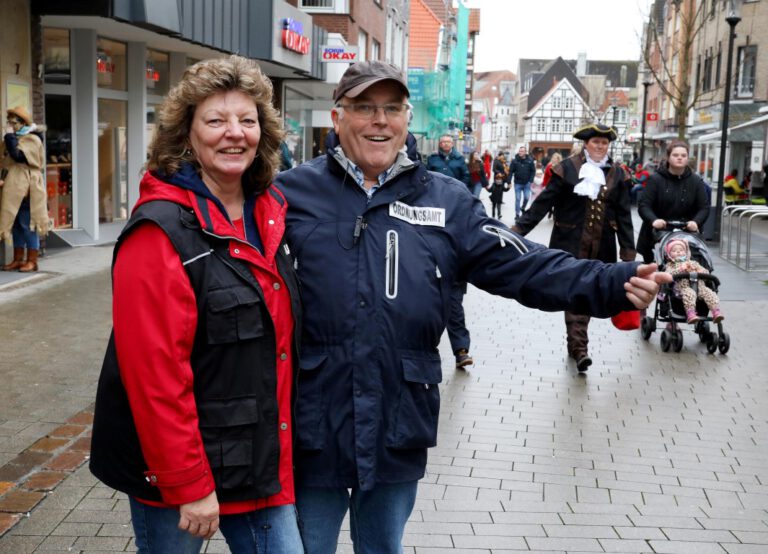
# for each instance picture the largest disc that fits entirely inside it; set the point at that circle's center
(666, 340)
(724, 344)
(647, 327)
(677, 340)
(711, 343)
(702, 328)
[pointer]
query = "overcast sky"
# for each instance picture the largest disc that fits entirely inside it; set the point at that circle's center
(514, 29)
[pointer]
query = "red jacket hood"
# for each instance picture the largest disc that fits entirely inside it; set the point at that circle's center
(269, 210)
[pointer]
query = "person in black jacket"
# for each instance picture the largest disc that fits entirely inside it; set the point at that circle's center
(589, 195)
(522, 170)
(673, 193)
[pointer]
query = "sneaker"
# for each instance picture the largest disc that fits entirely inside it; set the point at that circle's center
(463, 359)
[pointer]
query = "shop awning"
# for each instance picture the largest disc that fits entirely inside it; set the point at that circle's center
(750, 131)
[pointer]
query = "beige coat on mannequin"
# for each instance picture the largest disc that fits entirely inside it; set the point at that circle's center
(22, 180)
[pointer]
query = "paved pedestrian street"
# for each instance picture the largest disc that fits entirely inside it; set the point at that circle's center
(646, 452)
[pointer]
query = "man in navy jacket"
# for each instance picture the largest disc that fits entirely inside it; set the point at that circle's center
(522, 170)
(378, 240)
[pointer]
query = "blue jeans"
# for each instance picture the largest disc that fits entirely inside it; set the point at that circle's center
(267, 530)
(522, 196)
(377, 517)
(476, 188)
(22, 236)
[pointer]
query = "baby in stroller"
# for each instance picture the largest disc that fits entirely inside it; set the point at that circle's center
(691, 296)
(678, 261)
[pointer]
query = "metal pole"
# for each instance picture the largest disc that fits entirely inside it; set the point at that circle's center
(613, 124)
(646, 84)
(732, 21)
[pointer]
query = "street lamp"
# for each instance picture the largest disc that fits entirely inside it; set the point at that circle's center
(733, 18)
(646, 83)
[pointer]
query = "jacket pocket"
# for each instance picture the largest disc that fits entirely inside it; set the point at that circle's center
(309, 407)
(228, 428)
(413, 420)
(233, 314)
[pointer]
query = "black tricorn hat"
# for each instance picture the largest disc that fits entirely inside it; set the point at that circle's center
(596, 130)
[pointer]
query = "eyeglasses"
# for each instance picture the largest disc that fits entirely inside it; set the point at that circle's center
(368, 111)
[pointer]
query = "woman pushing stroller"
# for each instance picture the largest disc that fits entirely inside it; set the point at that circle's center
(673, 192)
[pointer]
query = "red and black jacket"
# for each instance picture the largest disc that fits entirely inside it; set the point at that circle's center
(236, 404)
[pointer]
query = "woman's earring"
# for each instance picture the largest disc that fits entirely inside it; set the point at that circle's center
(188, 153)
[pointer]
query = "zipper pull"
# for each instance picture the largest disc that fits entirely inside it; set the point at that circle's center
(437, 272)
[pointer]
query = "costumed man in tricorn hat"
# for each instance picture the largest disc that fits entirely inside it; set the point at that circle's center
(589, 195)
(23, 211)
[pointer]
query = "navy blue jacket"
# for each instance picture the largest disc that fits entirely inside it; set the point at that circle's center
(452, 165)
(523, 170)
(375, 282)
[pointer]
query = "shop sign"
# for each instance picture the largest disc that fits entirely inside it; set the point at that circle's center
(293, 36)
(338, 53)
(416, 83)
(652, 116)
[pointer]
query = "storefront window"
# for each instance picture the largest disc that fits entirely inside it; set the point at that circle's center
(58, 171)
(111, 68)
(157, 72)
(112, 160)
(297, 121)
(56, 56)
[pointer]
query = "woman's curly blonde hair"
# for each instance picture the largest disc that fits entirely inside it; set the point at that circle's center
(170, 143)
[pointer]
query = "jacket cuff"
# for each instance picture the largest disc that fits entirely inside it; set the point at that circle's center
(627, 254)
(180, 486)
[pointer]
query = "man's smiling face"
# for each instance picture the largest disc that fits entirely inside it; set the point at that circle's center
(372, 143)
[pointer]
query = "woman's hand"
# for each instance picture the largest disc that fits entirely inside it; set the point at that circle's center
(201, 517)
(692, 226)
(1, 183)
(659, 224)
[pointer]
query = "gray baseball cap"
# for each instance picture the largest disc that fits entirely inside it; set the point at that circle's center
(361, 75)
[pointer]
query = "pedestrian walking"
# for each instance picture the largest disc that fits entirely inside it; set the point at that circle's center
(378, 242)
(589, 195)
(450, 163)
(193, 411)
(672, 193)
(487, 163)
(477, 174)
(500, 165)
(522, 170)
(497, 190)
(24, 211)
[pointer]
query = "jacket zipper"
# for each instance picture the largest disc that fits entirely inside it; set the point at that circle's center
(391, 273)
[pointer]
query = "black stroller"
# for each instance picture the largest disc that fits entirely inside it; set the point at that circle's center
(669, 307)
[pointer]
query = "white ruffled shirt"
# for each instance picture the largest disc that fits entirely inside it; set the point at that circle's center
(592, 177)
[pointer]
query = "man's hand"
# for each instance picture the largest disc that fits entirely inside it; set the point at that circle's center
(692, 226)
(643, 288)
(201, 517)
(659, 224)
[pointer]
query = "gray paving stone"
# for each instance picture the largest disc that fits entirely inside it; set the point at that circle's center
(619, 545)
(677, 547)
(569, 544)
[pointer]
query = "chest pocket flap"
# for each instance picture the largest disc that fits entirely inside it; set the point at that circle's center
(234, 313)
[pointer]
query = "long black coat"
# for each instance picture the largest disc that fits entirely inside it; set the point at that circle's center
(670, 197)
(584, 227)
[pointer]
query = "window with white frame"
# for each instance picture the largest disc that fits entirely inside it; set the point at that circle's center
(375, 49)
(362, 45)
(569, 102)
(568, 126)
(541, 125)
(557, 102)
(556, 124)
(745, 81)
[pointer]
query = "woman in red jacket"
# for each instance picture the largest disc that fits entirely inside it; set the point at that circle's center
(192, 415)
